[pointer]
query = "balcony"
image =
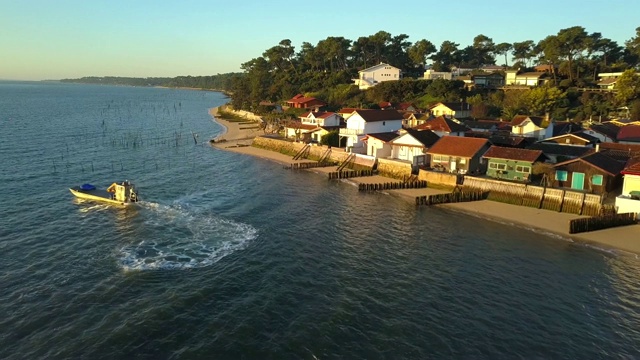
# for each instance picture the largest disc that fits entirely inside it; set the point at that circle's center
(348, 132)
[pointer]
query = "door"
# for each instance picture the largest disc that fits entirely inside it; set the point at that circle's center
(577, 181)
(452, 166)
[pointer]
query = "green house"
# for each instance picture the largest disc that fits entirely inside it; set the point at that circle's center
(511, 163)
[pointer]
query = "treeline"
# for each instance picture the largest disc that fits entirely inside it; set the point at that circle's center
(327, 68)
(221, 82)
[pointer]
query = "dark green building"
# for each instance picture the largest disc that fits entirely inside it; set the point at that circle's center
(511, 163)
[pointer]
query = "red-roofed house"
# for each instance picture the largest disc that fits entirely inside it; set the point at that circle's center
(511, 163)
(458, 154)
(363, 122)
(629, 200)
(443, 127)
(302, 102)
(629, 134)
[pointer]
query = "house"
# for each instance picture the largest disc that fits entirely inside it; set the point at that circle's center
(384, 105)
(606, 131)
(299, 131)
(302, 102)
(406, 107)
(371, 76)
(629, 150)
(321, 118)
(559, 153)
(490, 81)
(564, 127)
(629, 134)
(379, 144)
(362, 122)
(432, 75)
(323, 122)
(346, 112)
(511, 163)
(531, 126)
(573, 139)
(411, 145)
(458, 154)
(525, 79)
(488, 126)
(414, 119)
(608, 81)
(596, 173)
(451, 109)
(443, 126)
(629, 200)
(492, 68)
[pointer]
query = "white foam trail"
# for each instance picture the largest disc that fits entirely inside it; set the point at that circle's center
(187, 239)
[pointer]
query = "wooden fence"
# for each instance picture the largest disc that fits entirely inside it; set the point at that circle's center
(346, 174)
(538, 197)
(417, 184)
(454, 197)
(601, 222)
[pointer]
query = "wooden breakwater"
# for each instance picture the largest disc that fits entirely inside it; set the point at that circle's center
(305, 165)
(454, 197)
(560, 200)
(601, 222)
(418, 184)
(346, 174)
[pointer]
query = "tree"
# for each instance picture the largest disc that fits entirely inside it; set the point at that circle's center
(445, 57)
(633, 45)
(484, 48)
(543, 99)
(503, 49)
(522, 51)
(571, 42)
(628, 87)
(419, 52)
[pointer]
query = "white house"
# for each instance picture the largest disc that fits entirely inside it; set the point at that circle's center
(431, 75)
(629, 200)
(526, 79)
(608, 80)
(536, 127)
(362, 122)
(322, 118)
(412, 145)
(379, 144)
(370, 77)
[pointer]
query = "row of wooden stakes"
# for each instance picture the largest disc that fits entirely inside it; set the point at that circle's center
(418, 184)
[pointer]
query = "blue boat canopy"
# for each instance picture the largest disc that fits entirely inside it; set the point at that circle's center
(87, 187)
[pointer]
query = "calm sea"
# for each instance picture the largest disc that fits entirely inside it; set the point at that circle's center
(233, 257)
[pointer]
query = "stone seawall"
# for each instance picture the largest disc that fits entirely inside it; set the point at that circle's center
(245, 114)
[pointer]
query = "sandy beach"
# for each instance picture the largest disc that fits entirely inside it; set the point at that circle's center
(625, 238)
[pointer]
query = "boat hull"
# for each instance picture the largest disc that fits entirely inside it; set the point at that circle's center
(98, 195)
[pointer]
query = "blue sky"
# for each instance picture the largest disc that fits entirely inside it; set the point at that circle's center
(46, 39)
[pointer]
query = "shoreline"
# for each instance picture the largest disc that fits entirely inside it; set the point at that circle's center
(544, 222)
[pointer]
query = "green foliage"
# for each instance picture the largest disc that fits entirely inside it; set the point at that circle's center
(332, 138)
(541, 100)
(628, 86)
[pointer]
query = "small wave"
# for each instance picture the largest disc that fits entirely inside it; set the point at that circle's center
(186, 239)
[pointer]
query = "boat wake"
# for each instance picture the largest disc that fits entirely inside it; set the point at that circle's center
(184, 238)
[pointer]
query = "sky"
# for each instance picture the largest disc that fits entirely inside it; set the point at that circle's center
(56, 39)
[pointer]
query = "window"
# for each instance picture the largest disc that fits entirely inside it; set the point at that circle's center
(596, 180)
(497, 166)
(440, 158)
(463, 161)
(523, 169)
(561, 175)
